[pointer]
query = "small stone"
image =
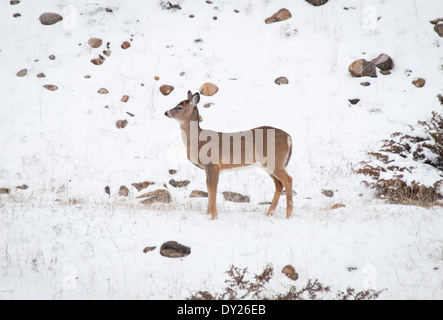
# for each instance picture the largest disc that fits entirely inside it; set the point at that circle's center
(103, 91)
(179, 184)
(419, 82)
(354, 101)
(147, 249)
(327, 193)
(99, 61)
(236, 11)
(383, 62)
(125, 98)
(281, 80)
(385, 72)
(22, 73)
(337, 206)
(365, 84)
(87, 76)
(439, 29)
(182, 73)
(142, 185)
(156, 78)
(289, 271)
(160, 195)
(107, 53)
(95, 42)
(16, 15)
(191, 16)
(50, 18)
(166, 89)
(108, 190)
(50, 87)
(22, 187)
(120, 124)
(51, 57)
(362, 68)
(172, 171)
(280, 15)
(198, 194)
(172, 249)
(123, 191)
(14, 2)
(214, 18)
(41, 75)
(207, 105)
(5, 191)
(264, 203)
(125, 45)
(317, 2)
(208, 89)
(235, 197)
(436, 21)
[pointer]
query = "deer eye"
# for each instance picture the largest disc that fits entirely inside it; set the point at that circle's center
(179, 108)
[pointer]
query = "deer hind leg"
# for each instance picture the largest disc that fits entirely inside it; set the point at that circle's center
(212, 174)
(286, 179)
(277, 194)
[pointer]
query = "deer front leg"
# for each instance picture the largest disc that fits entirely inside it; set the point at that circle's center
(212, 174)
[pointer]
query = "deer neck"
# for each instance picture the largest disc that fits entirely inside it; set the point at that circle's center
(190, 130)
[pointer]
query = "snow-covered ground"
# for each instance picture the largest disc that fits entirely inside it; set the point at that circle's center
(64, 237)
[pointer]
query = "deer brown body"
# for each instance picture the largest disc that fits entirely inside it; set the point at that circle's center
(213, 152)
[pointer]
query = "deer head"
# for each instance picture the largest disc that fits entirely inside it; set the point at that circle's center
(186, 110)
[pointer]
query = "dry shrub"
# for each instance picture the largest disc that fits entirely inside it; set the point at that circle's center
(393, 168)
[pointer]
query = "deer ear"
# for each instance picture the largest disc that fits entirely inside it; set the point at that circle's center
(189, 95)
(195, 99)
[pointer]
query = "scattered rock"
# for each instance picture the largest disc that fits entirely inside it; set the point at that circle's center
(337, 206)
(439, 29)
(99, 61)
(22, 187)
(264, 203)
(419, 82)
(172, 171)
(235, 197)
(385, 72)
(182, 73)
(365, 84)
(166, 89)
(147, 249)
(156, 78)
(41, 75)
(87, 76)
(214, 18)
(108, 190)
(327, 193)
(125, 98)
(125, 45)
(281, 80)
(179, 184)
(5, 191)
(123, 191)
(50, 18)
(14, 2)
(107, 53)
(317, 2)
(51, 57)
(362, 68)
(207, 105)
(208, 89)
(51, 87)
(16, 15)
(22, 73)
(436, 21)
(95, 42)
(383, 62)
(354, 101)
(289, 271)
(198, 194)
(280, 15)
(142, 185)
(103, 91)
(191, 16)
(172, 249)
(120, 124)
(160, 195)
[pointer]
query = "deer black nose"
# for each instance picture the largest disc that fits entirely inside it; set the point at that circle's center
(166, 113)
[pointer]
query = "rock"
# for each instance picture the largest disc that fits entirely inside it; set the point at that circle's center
(172, 171)
(365, 84)
(289, 271)
(198, 194)
(103, 91)
(207, 105)
(120, 124)
(354, 101)
(99, 61)
(182, 73)
(337, 206)
(107, 53)
(95, 42)
(123, 191)
(281, 80)
(436, 21)
(5, 191)
(16, 15)
(385, 72)
(22, 187)
(327, 193)
(108, 190)
(147, 249)
(179, 184)
(51, 57)
(14, 2)
(317, 2)
(280, 15)
(22, 73)
(50, 18)
(125, 98)
(208, 89)
(41, 75)
(156, 78)
(142, 185)
(439, 29)
(383, 62)
(264, 203)
(166, 89)
(51, 87)
(160, 195)
(125, 45)
(362, 68)
(419, 82)
(87, 76)
(172, 249)
(235, 197)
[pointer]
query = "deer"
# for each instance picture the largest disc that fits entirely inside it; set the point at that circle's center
(268, 147)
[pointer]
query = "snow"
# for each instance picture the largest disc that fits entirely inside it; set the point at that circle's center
(64, 237)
